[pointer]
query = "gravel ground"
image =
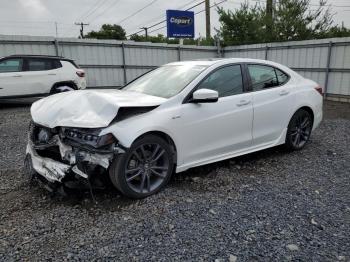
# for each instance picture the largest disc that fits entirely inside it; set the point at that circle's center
(265, 206)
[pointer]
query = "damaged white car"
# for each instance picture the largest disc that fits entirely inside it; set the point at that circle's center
(178, 116)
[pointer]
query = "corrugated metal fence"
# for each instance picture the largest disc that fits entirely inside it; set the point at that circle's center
(113, 63)
(107, 62)
(327, 61)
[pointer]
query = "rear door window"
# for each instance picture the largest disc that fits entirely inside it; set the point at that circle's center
(281, 77)
(262, 77)
(39, 64)
(11, 65)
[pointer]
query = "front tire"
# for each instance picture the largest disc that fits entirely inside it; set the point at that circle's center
(299, 130)
(144, 169)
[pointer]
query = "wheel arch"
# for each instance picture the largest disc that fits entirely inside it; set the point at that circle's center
(307, 109)
(68, 83)
(164, 136)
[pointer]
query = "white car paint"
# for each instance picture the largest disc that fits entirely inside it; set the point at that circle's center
(96, 108)
(202, 133)
(36, 83)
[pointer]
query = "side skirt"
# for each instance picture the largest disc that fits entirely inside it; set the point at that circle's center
(279, 141)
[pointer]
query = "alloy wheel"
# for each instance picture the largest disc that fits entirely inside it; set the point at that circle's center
(301, 130)
(146, 168)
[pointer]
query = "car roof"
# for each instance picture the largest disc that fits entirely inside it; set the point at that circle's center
(212, 61)
(37, 56)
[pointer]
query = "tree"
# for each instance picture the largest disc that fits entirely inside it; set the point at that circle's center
(292, 20)
(295, 21)
(243, 26)
(108, 31)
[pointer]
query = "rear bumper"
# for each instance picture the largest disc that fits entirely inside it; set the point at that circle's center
(317, 119)
(318, 114)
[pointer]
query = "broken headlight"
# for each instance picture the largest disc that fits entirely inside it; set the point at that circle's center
(87, 137)
(39, 134)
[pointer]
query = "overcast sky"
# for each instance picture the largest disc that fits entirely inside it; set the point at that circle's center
(38, 17)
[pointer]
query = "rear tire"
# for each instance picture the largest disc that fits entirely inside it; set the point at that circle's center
(62, 88)
(299, 130)
(144, 169)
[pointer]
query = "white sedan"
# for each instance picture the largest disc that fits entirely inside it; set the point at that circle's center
(178, 116)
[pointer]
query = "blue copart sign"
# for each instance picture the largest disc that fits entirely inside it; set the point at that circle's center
(180, 24)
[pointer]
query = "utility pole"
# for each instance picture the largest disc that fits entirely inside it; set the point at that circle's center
(207, 18)
(56, 29)
(269, 19)
(146, 31)
(81, 24)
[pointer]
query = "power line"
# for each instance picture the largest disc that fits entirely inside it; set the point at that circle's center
(108, 8)
(98, 6)
(161, 16)
(330, 5)
(165, 20)
(89, 12)
(135, 13)
(215, 4)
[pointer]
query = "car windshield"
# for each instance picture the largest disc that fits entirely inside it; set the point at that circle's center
(165, 81)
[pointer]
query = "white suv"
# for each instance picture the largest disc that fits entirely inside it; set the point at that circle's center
(33, 75)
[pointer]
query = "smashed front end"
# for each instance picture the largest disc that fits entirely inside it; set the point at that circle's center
(69, 156)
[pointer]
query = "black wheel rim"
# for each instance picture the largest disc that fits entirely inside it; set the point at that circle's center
(301, 130)
(147, 168)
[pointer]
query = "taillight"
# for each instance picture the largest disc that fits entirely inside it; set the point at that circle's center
(319, 89)
(80, 73)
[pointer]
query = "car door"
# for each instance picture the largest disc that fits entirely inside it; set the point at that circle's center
(11, 77)
(39, 75)
(211, 130)
(273, 102)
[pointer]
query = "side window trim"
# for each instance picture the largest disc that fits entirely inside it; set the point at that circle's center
(244, 81)
(250, 84)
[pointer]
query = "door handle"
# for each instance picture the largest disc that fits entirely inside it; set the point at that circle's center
(16, 76)
(52, 74)
(284, 92)
(243, 103)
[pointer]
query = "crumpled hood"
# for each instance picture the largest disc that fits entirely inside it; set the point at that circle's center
(87, 108)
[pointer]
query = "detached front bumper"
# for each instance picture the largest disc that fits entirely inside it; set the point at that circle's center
(69, 161)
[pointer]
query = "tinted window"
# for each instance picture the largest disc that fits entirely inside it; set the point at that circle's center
(38, 64)
(11, 65)
(281, 77)
(227, 81)
(262, 77)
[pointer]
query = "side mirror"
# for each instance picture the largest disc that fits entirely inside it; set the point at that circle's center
(205, 96)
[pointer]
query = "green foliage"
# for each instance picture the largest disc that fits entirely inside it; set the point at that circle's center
(292, 20)
(245, 25)
(295, 21)
(162, 39)
(108, 31)
(153, 39)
